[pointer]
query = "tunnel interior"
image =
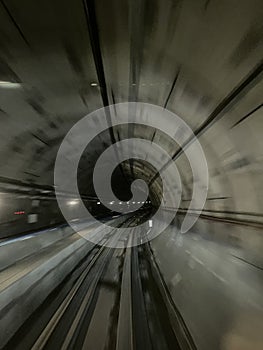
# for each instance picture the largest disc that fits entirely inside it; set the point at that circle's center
(170, 97)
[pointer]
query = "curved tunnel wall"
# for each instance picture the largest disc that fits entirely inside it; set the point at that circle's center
(200, 59)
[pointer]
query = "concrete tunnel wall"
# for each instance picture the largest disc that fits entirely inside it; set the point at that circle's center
(201, 60)
(36, 116)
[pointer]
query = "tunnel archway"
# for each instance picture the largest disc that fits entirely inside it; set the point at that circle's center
(200, 60)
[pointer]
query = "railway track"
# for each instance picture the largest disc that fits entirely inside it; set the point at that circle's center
(112, 300)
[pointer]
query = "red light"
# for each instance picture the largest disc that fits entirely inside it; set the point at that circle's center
(21, 212)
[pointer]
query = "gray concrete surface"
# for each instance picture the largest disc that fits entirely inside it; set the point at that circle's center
(217, 292)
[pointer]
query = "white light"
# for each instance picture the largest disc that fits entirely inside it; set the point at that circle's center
(120, 202)
(133, 202)
(128, 202)
(111, 203)
(150, 223)
(9, 84)
(139, 202)
(143, 202)
(98, 202)
(93, 84)
(74, 202)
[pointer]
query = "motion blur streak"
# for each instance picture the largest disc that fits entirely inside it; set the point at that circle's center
(201, 60)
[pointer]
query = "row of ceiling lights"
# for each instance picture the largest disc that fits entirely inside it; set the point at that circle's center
(75, 201)
(10, 84)
(127, 203)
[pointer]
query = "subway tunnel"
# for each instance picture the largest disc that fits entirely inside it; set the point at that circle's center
(131, 205)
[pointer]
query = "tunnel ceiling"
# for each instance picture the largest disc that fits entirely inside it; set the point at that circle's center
(200, 59)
